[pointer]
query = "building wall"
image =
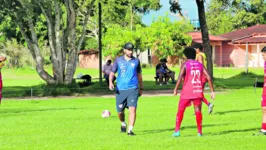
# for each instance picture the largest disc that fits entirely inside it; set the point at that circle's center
(88, 61)
(236, 55)
(217, 56)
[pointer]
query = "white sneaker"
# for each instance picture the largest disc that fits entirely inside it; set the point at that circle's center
(210, 108)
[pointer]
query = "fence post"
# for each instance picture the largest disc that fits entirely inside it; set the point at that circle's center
(31, 93)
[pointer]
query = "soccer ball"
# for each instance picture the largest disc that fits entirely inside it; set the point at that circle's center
(106, 114)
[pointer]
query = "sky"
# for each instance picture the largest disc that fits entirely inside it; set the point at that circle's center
(188, 6)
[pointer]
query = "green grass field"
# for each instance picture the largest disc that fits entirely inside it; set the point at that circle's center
(76, 123)
(26, 82)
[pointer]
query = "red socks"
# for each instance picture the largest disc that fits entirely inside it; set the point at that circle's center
(179, 118)
(205, 101)
(263, 126)
(199, 121)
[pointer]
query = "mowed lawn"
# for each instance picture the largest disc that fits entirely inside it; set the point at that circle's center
(76, 123)
(26, 82)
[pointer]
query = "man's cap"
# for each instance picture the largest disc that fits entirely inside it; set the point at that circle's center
(163, 60)
(129, 46)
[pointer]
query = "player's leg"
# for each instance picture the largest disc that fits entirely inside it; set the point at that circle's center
(197, 107)
(161, 78)
(172, 74)
(204, 100)
(120, 107)
(1, 86)
(179, 116)
(132, 102)
(263, 126)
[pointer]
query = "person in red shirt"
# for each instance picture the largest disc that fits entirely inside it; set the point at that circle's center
(2, 60)
(192, 72)
(263, 101)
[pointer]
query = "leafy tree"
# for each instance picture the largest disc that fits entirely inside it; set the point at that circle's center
(168, 38)
(163, 37)
(221, 21)
(115, 38)
(235, 14)
(61, 32)
(17, 55)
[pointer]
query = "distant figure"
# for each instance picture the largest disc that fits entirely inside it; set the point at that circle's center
(107, 68)
(2, 60)
(162, 71)
(201, 57)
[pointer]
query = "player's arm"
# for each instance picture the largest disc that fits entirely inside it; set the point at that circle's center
(206, 74)
(200, 59)
(112, 74)
(104, 69)
(158, 69)
(180, 77)
(140, 79)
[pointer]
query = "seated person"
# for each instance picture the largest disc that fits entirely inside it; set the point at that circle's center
(107, 68)
(162, 71)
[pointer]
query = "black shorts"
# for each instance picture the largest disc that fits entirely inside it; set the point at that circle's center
(126, 98)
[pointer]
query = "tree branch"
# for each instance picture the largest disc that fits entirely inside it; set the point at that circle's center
(49, 20)
(89, 9)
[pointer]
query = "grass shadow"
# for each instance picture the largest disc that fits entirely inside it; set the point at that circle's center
(234, 131)
(239, 81)
(36, 110)
(182, 128)
(236, 111)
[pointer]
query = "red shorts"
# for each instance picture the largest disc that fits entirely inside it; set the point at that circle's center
(263, 101)
(183, 103)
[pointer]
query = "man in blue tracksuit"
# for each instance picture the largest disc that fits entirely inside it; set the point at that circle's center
(129, 86)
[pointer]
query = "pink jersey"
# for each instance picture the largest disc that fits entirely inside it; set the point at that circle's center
(264, 86)
(192, 87)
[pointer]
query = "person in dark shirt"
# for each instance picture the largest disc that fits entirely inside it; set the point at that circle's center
(162, 71)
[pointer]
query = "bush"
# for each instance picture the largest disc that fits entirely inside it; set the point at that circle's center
(17, 55)
(61, 89)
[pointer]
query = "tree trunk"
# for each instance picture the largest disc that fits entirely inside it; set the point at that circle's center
(205, 36)
(61, 37)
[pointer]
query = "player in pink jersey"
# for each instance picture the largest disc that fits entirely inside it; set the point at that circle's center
(2, 60)
(263, 101)
(192, 92)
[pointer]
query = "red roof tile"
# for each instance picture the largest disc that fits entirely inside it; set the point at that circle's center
(247, 32)
(251, 40)
(196, 37)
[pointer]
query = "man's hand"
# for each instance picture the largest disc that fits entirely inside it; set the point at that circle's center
(212, 95)
(175, 92)
(111, 86)
(140, 92)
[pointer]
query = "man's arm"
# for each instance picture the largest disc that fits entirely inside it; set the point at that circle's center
(200, 59)
(112, 74)
(180, 77)
(158, 68)
(167, 69)
(104, 68)
(140, 79)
